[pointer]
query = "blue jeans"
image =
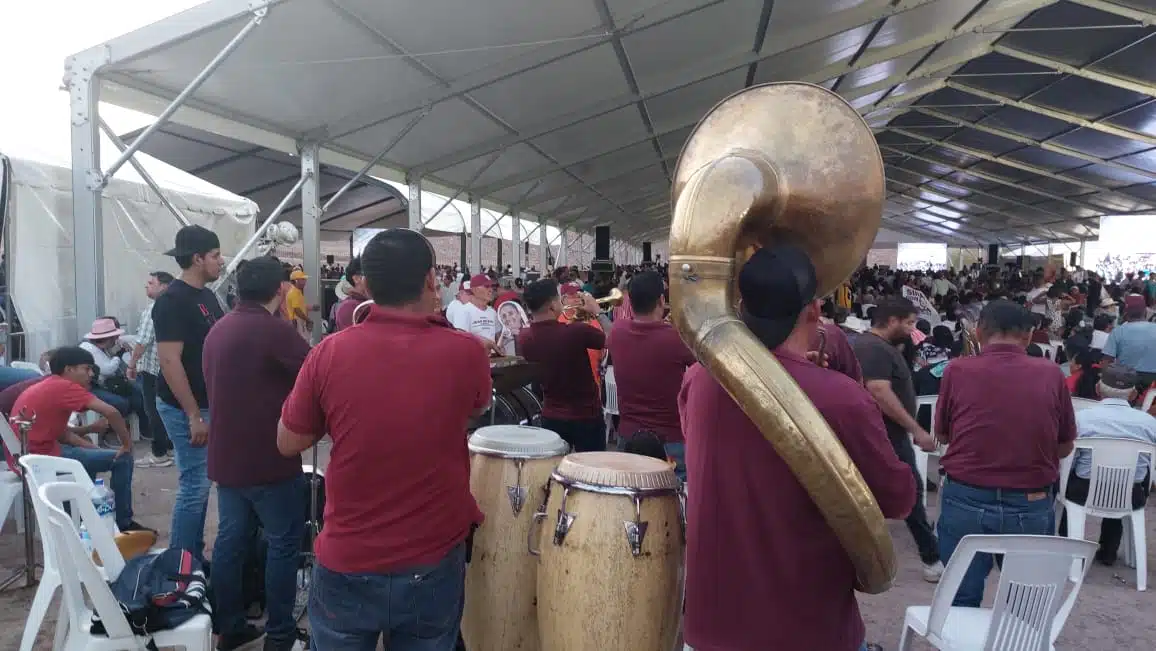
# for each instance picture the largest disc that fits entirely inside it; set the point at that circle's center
(188, 528)
(280, 508)
(95, 461)
(419, 609)
(677, 454)
(131, 404)
(967, 510)
(10, 376)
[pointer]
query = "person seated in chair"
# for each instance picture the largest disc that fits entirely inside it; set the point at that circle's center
(104, 343)
(51, 402)
(1113, 418)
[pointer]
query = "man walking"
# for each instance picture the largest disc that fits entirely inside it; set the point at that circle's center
(251, 360)
(144, 369)
(182, 317)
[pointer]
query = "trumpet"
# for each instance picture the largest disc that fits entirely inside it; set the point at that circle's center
(578, 313)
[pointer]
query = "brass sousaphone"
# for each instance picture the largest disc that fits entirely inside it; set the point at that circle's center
(783, 162)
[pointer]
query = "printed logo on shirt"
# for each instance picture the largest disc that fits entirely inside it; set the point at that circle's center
(209, 318)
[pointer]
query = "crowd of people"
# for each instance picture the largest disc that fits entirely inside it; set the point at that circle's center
(234, 397)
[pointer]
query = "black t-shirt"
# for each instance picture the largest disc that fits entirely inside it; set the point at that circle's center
(881, 360)
(185, 314)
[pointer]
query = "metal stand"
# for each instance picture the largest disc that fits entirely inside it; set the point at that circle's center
(24, 423)
(305, 572)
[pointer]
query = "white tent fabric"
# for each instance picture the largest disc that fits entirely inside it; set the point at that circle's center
(137, 230)
(455, 218)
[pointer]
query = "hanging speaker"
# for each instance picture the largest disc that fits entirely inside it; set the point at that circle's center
(1073, 259)
(646, 252)
(993, 254)
(601, 242)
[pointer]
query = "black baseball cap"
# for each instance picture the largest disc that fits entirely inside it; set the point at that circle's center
(192, 240)
(1118, 376)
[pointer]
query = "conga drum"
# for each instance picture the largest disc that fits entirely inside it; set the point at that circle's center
(611, 549)
(509, 468)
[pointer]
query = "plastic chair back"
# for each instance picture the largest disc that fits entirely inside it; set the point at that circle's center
(28, 366)
(78, 573)
(1113, 475)
(9, 438)
(611, 392)
(932, 401)
(41, 470)
(1030, 607)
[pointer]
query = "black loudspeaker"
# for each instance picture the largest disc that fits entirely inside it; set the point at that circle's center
(646, 252)
(526, 245)
(993, 254)
(1073, 259)
(601, 242)
(1021, 261)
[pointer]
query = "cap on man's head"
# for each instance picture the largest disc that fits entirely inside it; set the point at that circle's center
(1118, 376)
(568, 289)
(480, 280)
(1134, 306)
(193, 240)
(298, 275)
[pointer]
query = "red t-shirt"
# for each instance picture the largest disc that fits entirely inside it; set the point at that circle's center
(395, 394)
(560, 351)
(1005, 415)
(649, 360)
(52, 401)
(756, 542)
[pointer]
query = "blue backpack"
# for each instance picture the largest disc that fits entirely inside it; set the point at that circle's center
(159, 592)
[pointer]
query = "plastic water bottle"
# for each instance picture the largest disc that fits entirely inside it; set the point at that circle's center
(105, 504)
(86, 540)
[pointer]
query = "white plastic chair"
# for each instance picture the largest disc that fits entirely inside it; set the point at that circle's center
(1110, 496)
(80, 576)
(923, 459)
(610, 410)
(42, 470)
(27, 366)
(1029, 609)
(11, 492)
(1149, 396)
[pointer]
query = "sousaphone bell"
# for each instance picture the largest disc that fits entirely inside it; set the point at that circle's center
(780, 163)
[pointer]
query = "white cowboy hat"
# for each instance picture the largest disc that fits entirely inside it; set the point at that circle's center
(342, 289)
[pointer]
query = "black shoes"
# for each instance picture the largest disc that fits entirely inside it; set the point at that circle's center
(233, 641)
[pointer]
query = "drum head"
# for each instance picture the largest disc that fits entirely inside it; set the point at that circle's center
(517, 441)
(618, 470)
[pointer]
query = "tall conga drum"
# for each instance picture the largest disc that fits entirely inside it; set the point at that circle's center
(611, 550)
(509, 468)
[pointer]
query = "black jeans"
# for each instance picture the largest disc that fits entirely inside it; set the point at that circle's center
(1111, 531)
(161, 444)
(917, 523)
(582, 435)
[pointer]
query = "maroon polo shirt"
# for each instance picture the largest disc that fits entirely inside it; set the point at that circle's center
(395, 394)
(1004, 416)
(343, 315)
(840, 355)
(756, 542)
(560, 351)
(649, 361)
(9, 395)
(251, 359)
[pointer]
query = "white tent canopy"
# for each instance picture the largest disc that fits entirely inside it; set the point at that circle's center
(137, 229)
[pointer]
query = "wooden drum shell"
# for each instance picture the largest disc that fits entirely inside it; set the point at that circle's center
(594, 594)
(501, 580)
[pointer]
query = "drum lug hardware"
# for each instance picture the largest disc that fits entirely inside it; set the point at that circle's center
(636, 530)
(565, 520)
(517, 493)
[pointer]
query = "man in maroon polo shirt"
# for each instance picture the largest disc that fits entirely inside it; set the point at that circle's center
(343, 313)
(572, 406)
(251, 359)
(649, 361)
(395, 394)
(756, 542)
(1008, 420)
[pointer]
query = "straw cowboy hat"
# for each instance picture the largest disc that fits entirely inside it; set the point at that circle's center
(105, 328)
(342, 289)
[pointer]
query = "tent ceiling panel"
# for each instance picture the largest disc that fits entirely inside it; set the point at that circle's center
(1013, 119)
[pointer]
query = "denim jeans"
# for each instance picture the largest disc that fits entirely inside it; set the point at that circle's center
(134, 403)
(677, 454)
(10, 376)
(917, 522)
(161, 444)
(280, 508)
(95, 461)
(419, 609)
(188, 528)
(968, 510)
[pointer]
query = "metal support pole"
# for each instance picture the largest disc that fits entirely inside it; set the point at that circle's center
(87, 221)
(1083, 252)
(563, 258)
(468, 184)
(311, 230)
(414, 183)
(376, 159)
(256, 236)
(144, 174)
(202, 76)
(475, 233)
(543, 247)
(516, 239)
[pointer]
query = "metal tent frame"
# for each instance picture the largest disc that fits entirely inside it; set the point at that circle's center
(995, 124)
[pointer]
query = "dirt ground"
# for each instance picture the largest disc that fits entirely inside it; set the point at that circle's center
(1110, 613)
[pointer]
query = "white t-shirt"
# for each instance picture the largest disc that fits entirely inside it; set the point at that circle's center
(472, 319)
(1039, 308)
(1099, 339)
(452, 309)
